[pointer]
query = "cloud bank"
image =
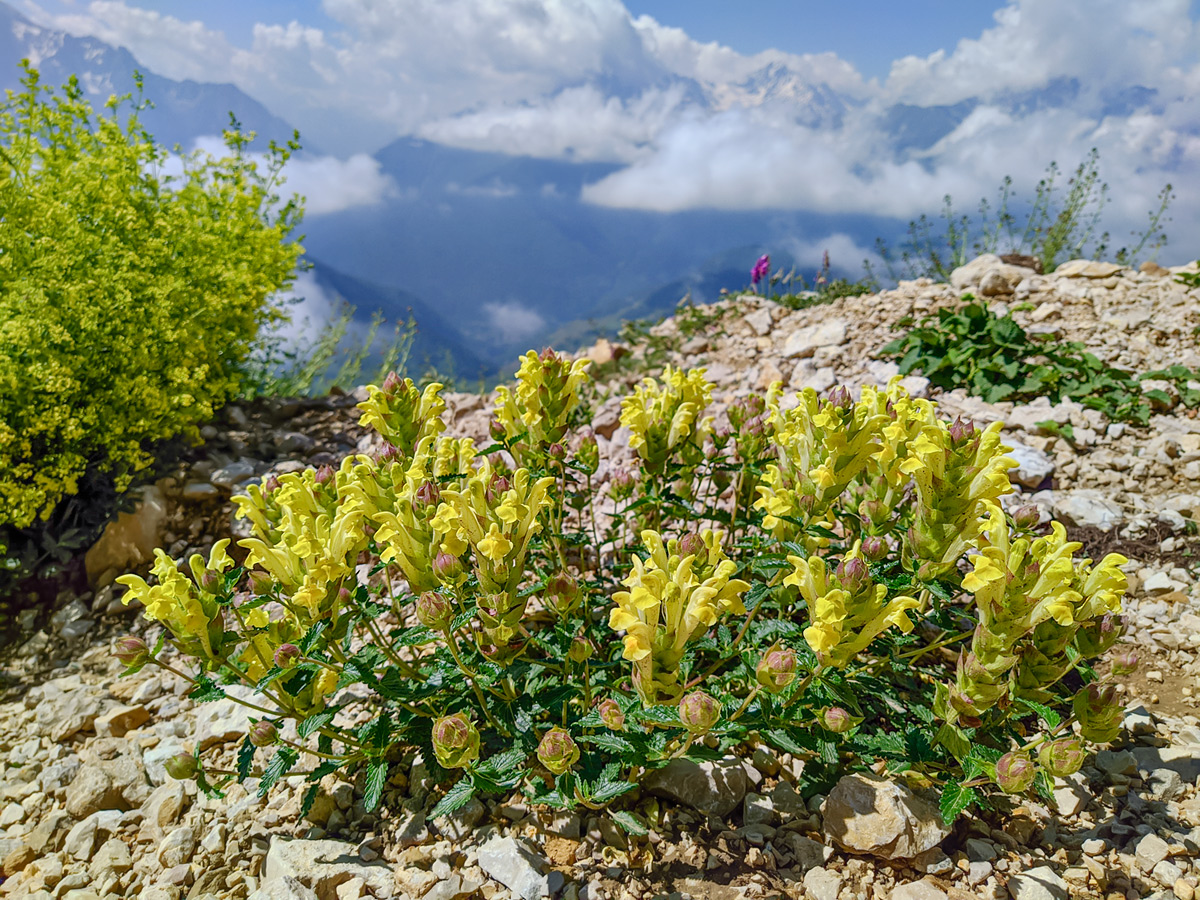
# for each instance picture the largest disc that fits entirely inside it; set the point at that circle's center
(697, 125)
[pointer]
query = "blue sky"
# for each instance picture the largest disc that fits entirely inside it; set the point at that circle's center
(757, 104)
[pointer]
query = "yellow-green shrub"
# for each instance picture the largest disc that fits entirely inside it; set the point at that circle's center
(128, 297)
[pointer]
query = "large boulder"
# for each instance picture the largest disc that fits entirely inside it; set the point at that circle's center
(321, 866)
(716, 787)
(872, 815)
(129, 540)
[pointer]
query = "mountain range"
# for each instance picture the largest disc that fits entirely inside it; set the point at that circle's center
(494, 253)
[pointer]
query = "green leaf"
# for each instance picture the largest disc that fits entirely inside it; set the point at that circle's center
(311, 636)
(281, 763)
(607, 740)
(206, 690)
(955, 799)
(1049, 716)
(630, 823)
(316, 722)
(245, 758)
(309, 798)
(377, 771)
(610, 790)
(455, 798)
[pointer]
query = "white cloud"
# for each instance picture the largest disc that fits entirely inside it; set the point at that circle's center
(511, 321)
(845, 254)
(327, 184)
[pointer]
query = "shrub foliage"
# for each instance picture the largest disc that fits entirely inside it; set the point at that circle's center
(128, 296)
(835, 578)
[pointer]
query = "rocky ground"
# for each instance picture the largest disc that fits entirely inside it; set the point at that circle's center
(87, 811)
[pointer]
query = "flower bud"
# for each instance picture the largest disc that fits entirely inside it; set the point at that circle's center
(287, 656)
(580, 650)
(261, 583)
(496, 429)
(623, 484)
(344, 597)
(325, 474)
(777, 668)
(263, 733)
(1062, 757)
(499, 486)
(1124, 663)
(455, 741)
(388, 454)
(611, 715)
(1026, 517)
(962, 431)
(182, 766)
(840, 398)
(391, 383)
(270, 484)
(447, 567)
(1015, 773)
(131, 651)
(837, 720)
(427, 495)
(558, 751)
(699, 712)
(434, 610)
(691, 544)
(874, 548)
(210, 581)
(557, 451)
(853, 575)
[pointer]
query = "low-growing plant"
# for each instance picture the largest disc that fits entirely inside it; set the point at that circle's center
(1057, 227)
(994, 358)
(834, 578)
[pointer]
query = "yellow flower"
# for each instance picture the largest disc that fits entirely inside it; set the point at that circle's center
(495, 546)
(547, 393)
(662, 417)
(669, 604)
(402, 414)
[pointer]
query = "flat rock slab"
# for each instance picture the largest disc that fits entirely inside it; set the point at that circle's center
(715, 787)
(868, 814)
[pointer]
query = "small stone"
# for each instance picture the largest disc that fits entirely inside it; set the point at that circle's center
(199, 492)
(1150, 851)
(91, 791)
(917, 890)
(822, 884)
(285, 887)
(1042, 883)
(117, 722)
(1116, 762)
(932, 862)
(114, 855)
(758, 810)
(868, 814)
(177, 847)
(805, 341)
(759, 321)
(1093, 846)
(1167, 873)
(1087, 507)
(715, 787)
(17, 860)
(323, 865)
(980, 851)
(1183, 890)
(162, 809)
(1033, 465)
(458, 824)
(515, 865)
(978, 872)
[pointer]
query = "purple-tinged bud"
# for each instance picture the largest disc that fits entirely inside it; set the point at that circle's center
(210, 581)
(557, 451)
(580, 650)
(388, 454)
(840, 398)
(391, 383)
(927, 571)
(1015, 773)
(446, 566)
(182, 767)
(562, 593)
(131, 651)
(558, 751)
(325, 474)
(455, 741)
(344, 597)
(270, 484)
(875, 511)
(754, 427)
(875, 548)
(777, 668)
(287, 655)
(854, 575)
(499, 486)
(961, 431)
(611, 715)
(261, 583)
(1027, 517)
(691, 544)
(427, 495)
(1124, 663)
(699, 712)
(434, 610)
(623, 484)
(263, 733)
(837, 720)
(1062, 757)
(496, 430)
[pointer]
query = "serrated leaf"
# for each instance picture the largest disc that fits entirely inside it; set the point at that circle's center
(607, 740)
(280, 764)
(456, 798)
(309, 798)
(315, 723)
(311, 636)
(955, 799)
(245, 759)
(376, 778)
(630, 823)
(610, 790)
(1049, 716)
(206, 690)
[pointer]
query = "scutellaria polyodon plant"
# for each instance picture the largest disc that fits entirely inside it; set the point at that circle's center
(832, 577)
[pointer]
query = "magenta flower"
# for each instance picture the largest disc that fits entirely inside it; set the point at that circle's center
(761, 270)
